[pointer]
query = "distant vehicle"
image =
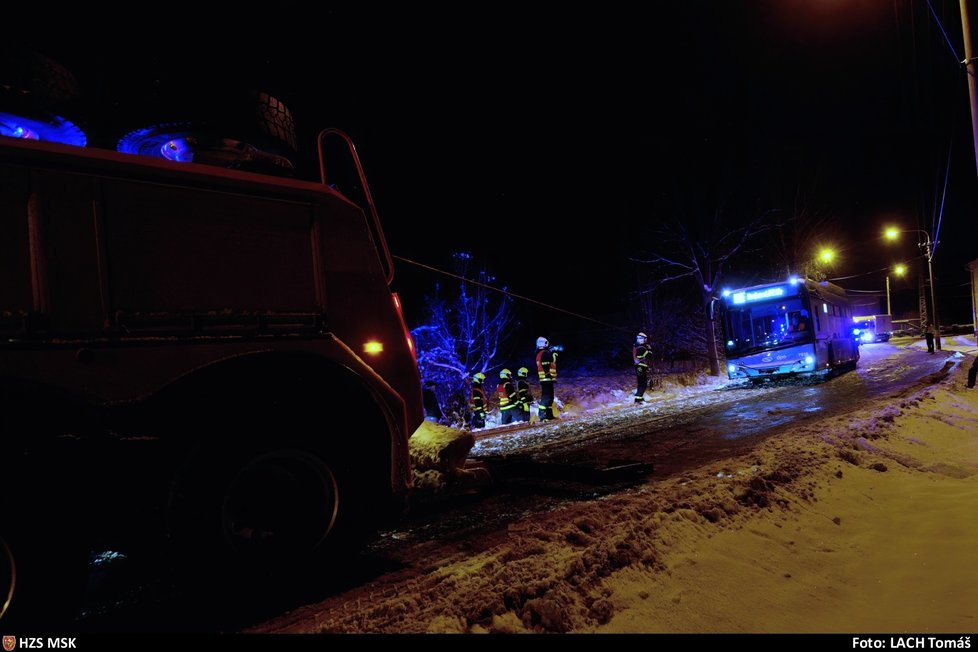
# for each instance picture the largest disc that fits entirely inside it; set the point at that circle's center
(194, 359)
(958, 329)
(872, 328)
(793, 327)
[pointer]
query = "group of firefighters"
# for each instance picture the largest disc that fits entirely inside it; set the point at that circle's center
(514, 396)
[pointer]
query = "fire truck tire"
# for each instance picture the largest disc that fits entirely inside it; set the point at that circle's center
(257, 134)
(31, 74)
(42, 578)
(270, 515)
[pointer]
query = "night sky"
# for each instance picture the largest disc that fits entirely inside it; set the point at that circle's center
(498, 129)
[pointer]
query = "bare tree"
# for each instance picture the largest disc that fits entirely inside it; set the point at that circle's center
(463, 332)
(699, 251)
(796, 243)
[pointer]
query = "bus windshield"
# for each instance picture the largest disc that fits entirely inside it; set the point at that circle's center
(758, 326)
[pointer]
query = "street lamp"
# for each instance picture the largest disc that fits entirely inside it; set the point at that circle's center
(892, 233)
(899, 270)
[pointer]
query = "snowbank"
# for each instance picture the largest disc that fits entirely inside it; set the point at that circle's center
(438, 455)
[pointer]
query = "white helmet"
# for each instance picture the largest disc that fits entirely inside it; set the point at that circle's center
(542, 342)
(641, 336)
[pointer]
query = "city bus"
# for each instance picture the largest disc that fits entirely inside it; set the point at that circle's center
(794, 327)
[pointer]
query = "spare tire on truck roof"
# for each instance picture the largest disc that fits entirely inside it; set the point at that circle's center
(35, 96)
(253, 131)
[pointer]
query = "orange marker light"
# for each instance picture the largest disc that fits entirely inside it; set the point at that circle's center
(373, 347)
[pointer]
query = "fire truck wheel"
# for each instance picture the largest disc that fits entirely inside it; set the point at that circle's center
(42, 580)
(263, 515)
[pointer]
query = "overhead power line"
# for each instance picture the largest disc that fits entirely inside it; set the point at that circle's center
(947, 40)
(508, 293)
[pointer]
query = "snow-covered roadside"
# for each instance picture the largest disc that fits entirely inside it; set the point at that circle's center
(867, 525)
(849, 524)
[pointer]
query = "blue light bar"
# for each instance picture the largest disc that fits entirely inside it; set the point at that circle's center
(758, 295)
(51, 128)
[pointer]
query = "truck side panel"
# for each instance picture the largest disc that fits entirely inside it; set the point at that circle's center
(15, 267)
(193, 251)
(123, 256)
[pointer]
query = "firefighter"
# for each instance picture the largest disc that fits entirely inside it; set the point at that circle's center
(478, 402)
(509, 398)
(930, 333)
(547, 371)
(432, 409)
(642, 357)
(525, 395)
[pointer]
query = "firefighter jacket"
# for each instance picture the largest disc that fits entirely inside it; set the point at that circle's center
(547, 365)
(507, 395)
(525, 397)
(478, 402)
(642, 355)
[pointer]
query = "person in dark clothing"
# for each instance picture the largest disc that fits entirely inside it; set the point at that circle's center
(508, 397)
(972, 372)
(478, 402)
(642, 357)
(547, 371)
(525, 395)
(929, 334)
(432, 410)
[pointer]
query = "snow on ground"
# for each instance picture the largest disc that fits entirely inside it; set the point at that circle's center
(859, 523)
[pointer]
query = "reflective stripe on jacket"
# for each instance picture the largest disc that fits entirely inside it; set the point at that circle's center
(478, 402)
(525, 398)
(546, 365)
(507, 394)
(642, 355)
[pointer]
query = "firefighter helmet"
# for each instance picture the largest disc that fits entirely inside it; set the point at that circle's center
(479, 377)
(542, 342)
(522, 372)
(642, 336)
(505, 373)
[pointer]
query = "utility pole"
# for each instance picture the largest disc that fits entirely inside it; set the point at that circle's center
(922, 306)
(969, 67)
(934, 322)
(888, 295)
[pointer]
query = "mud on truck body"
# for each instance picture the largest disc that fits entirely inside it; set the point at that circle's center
(181, 349)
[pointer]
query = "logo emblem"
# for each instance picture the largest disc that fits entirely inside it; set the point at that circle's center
(9, 643)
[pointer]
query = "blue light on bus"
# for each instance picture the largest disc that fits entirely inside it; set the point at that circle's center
(732, 368)
(809, 360)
